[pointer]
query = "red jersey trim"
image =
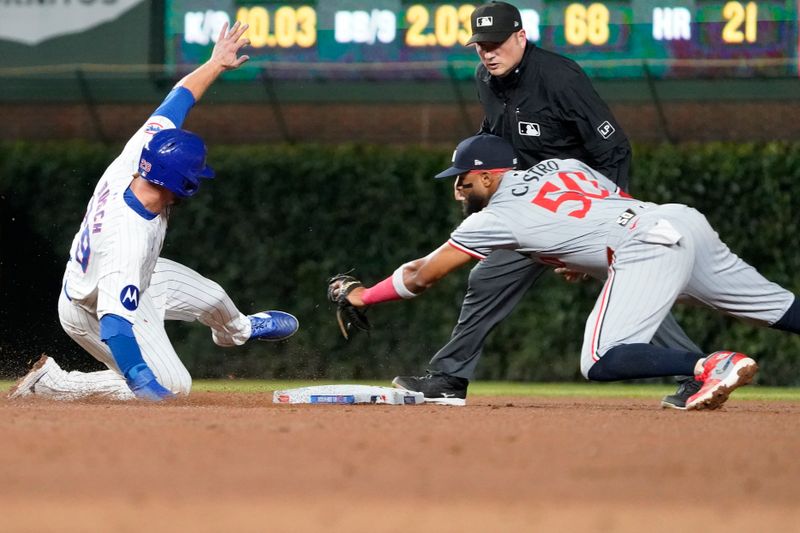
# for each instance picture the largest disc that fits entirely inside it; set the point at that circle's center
(468, 251)
(601, 314)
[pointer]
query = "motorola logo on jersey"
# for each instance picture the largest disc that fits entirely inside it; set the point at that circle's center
(130, 297)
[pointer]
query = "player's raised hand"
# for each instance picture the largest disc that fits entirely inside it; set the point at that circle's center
(226, 49)
(225, 56)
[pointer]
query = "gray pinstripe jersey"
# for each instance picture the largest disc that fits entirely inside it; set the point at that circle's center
(560, 212)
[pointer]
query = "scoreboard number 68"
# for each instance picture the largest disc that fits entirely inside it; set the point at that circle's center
(584, 24)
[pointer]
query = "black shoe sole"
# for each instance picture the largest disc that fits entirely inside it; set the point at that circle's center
(456, 402)
(666, 404)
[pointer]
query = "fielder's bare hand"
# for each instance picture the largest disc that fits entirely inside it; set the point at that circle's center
(228, 45)
(572, 276)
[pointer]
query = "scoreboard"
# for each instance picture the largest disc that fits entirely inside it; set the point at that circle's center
(398, 39)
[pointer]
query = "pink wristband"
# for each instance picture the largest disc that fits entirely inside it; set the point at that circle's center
(380, 292)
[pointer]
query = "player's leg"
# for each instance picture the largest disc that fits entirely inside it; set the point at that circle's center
(157, 350)
(495, 287)
(790, 321)
(622, 356)
(671, 335)
(629, 310)
(56, 383)
(184, 294)
(723, 281)
(149, 332)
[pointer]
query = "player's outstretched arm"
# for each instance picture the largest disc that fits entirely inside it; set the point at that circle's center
(411, 279)
(225, 56)
(188, 91)
(407, 281)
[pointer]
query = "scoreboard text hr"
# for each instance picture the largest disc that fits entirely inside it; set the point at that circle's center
(391, 31)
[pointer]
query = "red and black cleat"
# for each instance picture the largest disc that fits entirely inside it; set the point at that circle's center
(723, 372)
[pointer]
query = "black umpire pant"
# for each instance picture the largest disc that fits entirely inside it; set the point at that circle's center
(495, 286)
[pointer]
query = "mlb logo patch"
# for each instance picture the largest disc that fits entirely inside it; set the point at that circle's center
(529, 129)
(606, 129)
(483, 22)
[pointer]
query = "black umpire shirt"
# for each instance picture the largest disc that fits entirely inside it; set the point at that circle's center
(548, 108)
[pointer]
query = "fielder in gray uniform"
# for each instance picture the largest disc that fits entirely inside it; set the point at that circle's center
(546, 107)
(117, 290)
(563, 213)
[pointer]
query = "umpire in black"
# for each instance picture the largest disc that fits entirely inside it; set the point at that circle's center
(545, 105)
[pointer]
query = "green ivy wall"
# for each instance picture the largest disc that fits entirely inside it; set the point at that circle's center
(279, 220)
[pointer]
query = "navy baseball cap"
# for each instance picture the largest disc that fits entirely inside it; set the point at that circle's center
(494, 22)
(481, 152)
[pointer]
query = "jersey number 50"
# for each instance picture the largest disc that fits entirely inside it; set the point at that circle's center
(574, 189)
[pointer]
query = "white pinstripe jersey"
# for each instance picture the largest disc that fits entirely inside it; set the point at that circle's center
(559, 212)
(115, 250)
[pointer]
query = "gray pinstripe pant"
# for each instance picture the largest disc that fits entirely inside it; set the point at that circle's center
(496, 285)
(647, 276)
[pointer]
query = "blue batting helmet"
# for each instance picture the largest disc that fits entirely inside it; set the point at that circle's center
(176, 160)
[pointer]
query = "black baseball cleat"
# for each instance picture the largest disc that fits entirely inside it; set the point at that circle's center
(685, 390)
(436, 388)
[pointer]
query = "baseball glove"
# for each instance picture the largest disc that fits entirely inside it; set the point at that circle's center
(348, 316)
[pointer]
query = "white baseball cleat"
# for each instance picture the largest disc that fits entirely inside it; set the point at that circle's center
(723, 372)
(24, 387)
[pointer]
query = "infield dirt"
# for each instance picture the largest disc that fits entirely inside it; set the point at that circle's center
(237, 462)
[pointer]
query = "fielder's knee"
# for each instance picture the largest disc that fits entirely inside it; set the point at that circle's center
(790, 321)
(587, 362)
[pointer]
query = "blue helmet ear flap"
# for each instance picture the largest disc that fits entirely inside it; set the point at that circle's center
(176, 160)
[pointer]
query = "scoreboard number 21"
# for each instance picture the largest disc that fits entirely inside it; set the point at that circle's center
(740, 15)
